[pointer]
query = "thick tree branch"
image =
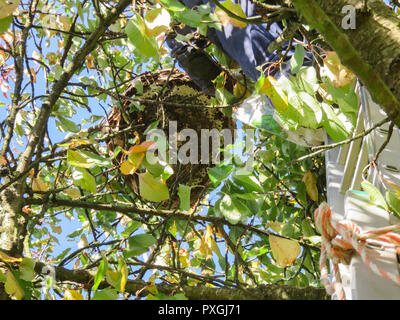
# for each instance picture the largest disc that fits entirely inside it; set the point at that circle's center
(263, 292)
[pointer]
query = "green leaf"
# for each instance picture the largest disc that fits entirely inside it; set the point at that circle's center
(265, 155)
(101, 271)
(346, 98)
(139, 244)
(184, 197)
(142, 240)
(189, 17)
(174, 5)
(144, 45)
(297, 59)
(393, 202)
(96, 159)
(77, 159)
(152, 189)
(106, 294)
(67, 125)
(5, 23)
(83, 179)
(27, 269)
(131, 227)
(228, 209)
(312, 111)
(375, 196)
(307, 228)
(217, 174)
(249, 182)
(155, 169)
(333, 125)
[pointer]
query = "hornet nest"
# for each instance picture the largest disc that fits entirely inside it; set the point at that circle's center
(176, 90)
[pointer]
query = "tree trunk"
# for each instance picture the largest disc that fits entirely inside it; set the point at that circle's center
(12, 226)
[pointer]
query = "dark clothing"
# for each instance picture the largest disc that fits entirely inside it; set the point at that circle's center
(247, 46)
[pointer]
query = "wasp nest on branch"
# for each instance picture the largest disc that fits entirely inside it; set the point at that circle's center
(167, 103)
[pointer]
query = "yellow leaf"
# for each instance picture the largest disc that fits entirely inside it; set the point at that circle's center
(285, 251)
(39, 185)
(239, 91)
(276, 226)
(337, 73)
(3, 161)
(215, 248)
(6, 9)
(132, 164)
(76, 142)
(6, 258)
(12, 286)
(72, 295)
(152, 287)
(277, 96)
(226, 19)
(143, 147)
(310, 180)
(52, 57)
(56, 229)
(205, 245)
(184, 258)
(73, 193)
(124, 277)
(112, 274)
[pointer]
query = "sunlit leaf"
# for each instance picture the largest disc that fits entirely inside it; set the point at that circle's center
(374, 194)
(297, 59)
(39, 185)
(101, 271)
(123, 268)
(8, 7)
(136, 31)
(279, 99)
(70, 294)
(132, 164)
(285, 251)
(83, 179)
(393, 201)
(226, 19)
(152, 189)
(337, 73)
(75, 158)
(73, 193)
(229, 209)
(143, 147)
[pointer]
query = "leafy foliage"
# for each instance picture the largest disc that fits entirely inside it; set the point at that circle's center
(254, 223)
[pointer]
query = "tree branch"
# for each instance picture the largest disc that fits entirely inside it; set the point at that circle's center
(262, 292)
